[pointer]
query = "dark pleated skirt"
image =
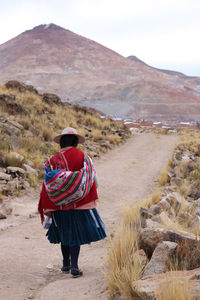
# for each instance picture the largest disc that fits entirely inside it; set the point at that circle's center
(76, 227)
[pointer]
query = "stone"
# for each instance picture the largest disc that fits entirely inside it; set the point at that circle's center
(25, 184)
(11, 105)
(160, 258)
(188, 244)
(15, 171)
(164, 204)
(145, 213)
(155, 209)
(51, 98)
(4, 176)
(174, 200)
(20, 86)
(147, 287)
(30, 170)
(171, 173)
(10, 127)
(151, 224)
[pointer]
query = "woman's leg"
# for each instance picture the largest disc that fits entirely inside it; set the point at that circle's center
(66, 259)
(74, 254)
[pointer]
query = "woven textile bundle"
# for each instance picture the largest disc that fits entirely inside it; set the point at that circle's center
(67, 187)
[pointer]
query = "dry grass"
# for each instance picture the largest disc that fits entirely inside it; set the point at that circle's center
(113, 139)
(174, 289)
(124, 265)
(97, 135)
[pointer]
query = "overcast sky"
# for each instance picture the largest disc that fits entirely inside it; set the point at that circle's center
(162, 33)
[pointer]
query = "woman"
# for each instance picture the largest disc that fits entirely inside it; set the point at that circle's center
(76, 224)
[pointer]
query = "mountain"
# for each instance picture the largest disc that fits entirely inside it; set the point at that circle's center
(82, 71)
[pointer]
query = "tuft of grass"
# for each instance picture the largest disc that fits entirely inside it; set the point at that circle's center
(124, 265)
(97, 135)
(113, 139)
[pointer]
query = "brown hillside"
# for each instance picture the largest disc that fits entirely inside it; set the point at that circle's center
(80, 70)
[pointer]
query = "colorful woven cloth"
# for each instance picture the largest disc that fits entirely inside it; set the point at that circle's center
(67, 187)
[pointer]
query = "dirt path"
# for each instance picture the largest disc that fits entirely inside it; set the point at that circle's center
(30, 266)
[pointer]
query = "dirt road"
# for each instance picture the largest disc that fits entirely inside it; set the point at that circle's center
(30, 265)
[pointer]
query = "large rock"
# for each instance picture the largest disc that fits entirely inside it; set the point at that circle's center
(147, 288)
(10, 127)
(11, 105)
(30, 170)
(188, 248)
(16, 172)
(51, 98)
(174, 200)
(160, 258)
(20, 86)
(4, 176)
(164, 204)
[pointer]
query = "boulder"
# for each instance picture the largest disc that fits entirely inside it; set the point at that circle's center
(174, 200)
(11, 105)
(30, 170)
(160, 258)
(164, 204)
(149, 223)
(10, 127)
(188, 248)
(145, 213)
(147, 287)
(4, 176)
(16, 172)
(20, 86)
(51, 98)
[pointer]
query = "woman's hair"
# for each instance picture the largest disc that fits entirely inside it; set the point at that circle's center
(68, 140)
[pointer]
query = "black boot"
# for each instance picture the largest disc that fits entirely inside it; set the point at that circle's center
(66, 260)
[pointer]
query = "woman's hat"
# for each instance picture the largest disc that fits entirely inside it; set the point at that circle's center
(69, 130)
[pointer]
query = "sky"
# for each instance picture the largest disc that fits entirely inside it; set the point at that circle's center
(162, 33)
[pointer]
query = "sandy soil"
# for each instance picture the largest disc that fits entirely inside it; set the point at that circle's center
(30, 265)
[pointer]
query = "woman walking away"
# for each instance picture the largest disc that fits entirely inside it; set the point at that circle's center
(77, 223)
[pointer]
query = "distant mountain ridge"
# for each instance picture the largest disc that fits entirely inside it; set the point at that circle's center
(82, 71)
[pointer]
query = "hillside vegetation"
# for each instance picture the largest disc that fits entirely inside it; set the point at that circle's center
(28, 123)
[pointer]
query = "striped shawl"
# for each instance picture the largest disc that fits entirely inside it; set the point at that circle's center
(67, 187)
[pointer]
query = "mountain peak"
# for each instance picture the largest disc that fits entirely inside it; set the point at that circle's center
(46, 27)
